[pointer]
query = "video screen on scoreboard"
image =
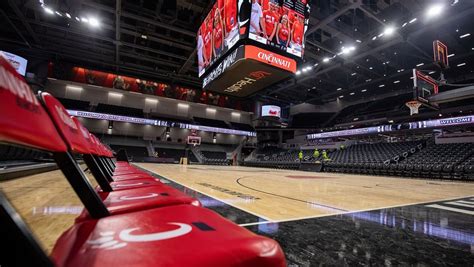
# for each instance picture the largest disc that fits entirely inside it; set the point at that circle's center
(219, 32)
(271, 111)
(280, 23)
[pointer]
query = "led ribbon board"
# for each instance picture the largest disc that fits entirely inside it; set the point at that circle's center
(464, 120)
(110, 117)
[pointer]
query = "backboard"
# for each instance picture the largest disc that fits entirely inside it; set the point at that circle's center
(194, 140)
(424, 87)
(440, 54)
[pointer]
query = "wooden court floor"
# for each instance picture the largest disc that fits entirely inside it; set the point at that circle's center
(49, 205)
(280, 195)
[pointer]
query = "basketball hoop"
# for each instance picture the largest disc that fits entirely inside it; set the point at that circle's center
(414, 105)
(194, 140)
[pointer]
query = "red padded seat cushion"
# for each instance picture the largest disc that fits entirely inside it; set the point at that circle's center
(124, 201)
(132, 184)
(182, 235)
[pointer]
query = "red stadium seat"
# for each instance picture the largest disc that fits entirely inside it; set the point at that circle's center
(147, 192)
(171, 236)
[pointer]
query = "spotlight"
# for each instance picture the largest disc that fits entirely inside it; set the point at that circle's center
(94, 22)
(347, 50)
(326, 59)
(85, 20)
(434, 10)
(68, 15)
(298, 73)
(389, 31)
(49, 10)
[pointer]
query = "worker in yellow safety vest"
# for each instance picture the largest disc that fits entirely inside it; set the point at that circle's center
(316, 153)
(325, 155)
(300, 155)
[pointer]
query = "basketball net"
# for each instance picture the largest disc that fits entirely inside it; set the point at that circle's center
(414, 106)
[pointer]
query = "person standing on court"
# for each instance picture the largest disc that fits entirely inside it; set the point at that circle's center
(325, 155)
(300, 155)
(316, 153)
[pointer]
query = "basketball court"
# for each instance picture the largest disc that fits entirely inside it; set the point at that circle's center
(250, 133)
(279, 195)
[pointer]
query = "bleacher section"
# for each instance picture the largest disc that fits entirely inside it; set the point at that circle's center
(215, 157)
(136, 154)
(274, 157)
(404, 159)
(174, 155)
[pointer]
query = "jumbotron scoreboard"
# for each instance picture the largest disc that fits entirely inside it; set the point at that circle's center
(244, 46)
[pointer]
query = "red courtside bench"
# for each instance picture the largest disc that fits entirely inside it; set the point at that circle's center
(177, 235)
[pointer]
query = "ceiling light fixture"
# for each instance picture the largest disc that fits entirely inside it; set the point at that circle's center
(413, 20)
(434, 10)
(397, 81)
(419, 65)
(461, 64)
(49, 10)
(389, 30)
(465, 35)
(326, 59)
(94, 22)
